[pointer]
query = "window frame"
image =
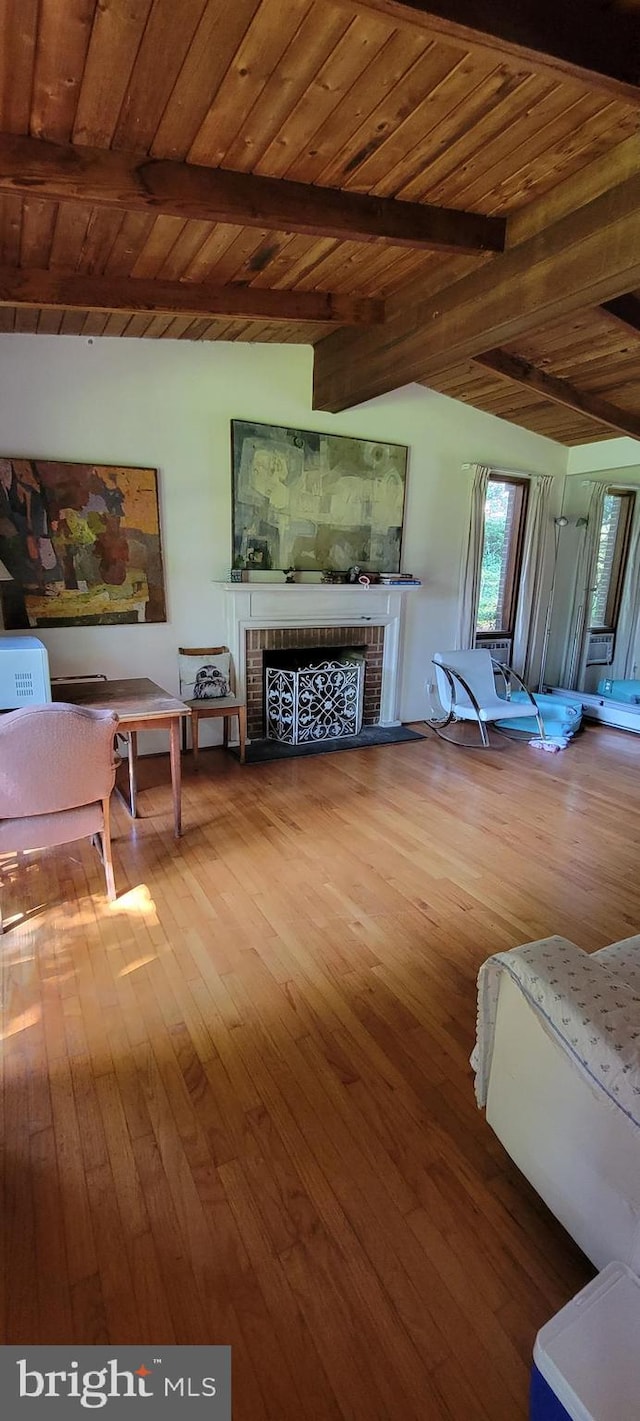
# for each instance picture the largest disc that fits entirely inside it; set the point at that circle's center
(514, 559)
(619, 561)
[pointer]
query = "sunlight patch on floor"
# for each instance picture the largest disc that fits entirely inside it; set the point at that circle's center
(21, 1023)
(138, 900)
(139, 962)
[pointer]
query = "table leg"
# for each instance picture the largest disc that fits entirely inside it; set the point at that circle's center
(133, 766)
(176, 776)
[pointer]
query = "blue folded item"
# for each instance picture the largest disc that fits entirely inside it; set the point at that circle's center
(559, 718)
(628, 691)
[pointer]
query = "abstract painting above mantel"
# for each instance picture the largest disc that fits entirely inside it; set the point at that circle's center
(315, 502)
(81, 543)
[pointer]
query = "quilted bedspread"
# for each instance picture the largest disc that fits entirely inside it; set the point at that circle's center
(589, 1003)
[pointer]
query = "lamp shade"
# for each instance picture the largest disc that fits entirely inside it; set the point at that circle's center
(5, 576)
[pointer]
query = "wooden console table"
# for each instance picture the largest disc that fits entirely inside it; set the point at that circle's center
(140, 705)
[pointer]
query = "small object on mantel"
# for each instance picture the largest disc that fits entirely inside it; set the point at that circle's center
(289, 574)
(236, 574)
(331, 576)
(353, 573)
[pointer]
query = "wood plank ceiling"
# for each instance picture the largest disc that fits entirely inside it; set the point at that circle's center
(339, 95)
(593, 352)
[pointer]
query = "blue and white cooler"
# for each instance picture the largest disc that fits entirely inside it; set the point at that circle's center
(627, 691)
(560, 719)
(586, 1360)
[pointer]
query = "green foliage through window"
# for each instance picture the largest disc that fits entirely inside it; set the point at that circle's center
(613, 545)
(504, 514)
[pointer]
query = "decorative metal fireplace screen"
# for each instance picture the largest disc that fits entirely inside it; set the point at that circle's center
(318, 702)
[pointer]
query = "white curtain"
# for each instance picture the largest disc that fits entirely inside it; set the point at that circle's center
(530, 592)
(576, 658)
(472, 562)
(629, 617)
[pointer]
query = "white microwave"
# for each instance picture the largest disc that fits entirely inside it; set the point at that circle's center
(24, 672)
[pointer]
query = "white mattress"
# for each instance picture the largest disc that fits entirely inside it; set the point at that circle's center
(576, 1147)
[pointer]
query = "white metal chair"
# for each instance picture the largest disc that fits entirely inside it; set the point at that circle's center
(466, 684)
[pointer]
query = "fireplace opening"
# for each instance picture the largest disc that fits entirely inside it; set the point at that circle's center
(313, 694)
(262, 643)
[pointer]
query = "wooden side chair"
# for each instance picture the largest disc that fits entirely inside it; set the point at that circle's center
(207, 686)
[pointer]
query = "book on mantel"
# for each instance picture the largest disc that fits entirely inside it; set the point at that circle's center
(399, 579)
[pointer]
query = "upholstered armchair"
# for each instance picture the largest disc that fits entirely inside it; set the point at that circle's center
(57, 769)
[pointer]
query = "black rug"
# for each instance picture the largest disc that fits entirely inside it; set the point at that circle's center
(260, 751)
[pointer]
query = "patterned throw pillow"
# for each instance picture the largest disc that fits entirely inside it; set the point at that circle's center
(205, 678)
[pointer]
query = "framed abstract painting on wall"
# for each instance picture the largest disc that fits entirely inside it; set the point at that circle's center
(315, 502)
(81, 544)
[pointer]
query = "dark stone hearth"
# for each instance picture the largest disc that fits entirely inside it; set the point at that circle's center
(260, 751)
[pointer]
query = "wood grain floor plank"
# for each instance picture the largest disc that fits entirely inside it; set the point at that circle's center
(346, 1214)
(53, 1275)
(316, 1399)
(90, 1327)
(81, 1256)
(20, 1263)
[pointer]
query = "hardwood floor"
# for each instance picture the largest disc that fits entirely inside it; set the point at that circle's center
(237, 1103)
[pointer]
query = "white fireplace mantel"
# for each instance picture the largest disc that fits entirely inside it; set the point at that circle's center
(310, 604)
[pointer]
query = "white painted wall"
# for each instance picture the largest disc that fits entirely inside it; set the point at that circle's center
(608, 454)
(168, 404)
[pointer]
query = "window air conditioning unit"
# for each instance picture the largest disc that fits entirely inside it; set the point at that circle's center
(500, 648)
(24, 672)
(600, 649)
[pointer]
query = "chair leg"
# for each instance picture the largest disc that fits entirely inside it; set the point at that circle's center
(484, 734)
(107, 855)
(195, 737)
(242, 732)
(133, 766)
(225, 731)
(20, 862)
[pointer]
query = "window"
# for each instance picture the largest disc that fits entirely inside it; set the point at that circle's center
(504, 517)
(613, 548)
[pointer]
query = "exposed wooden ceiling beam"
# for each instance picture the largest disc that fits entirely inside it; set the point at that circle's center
(600, 45)
(520, 372)
(69, 291)
(588, 257)
(626, 310)
(105, 178)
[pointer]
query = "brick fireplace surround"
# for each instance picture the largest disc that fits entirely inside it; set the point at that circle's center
(274, 616)
(261, 639)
